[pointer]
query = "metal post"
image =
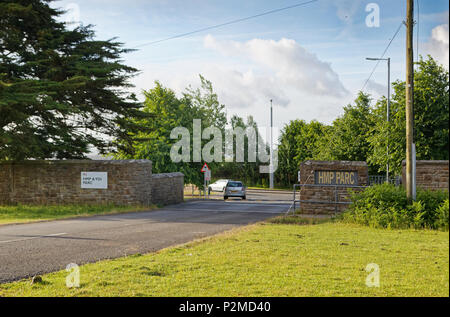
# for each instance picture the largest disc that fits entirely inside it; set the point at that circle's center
(388, 115)
(414, 171)
(271, 147)
(294, 198)
(204, 185)
(387, 108)
(335, 200)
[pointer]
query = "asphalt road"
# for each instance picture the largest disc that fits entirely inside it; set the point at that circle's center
(31, 249)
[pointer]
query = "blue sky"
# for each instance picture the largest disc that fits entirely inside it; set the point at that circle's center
(309, 59)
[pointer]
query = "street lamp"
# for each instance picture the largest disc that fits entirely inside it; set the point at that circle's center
(388, 104)
(271, 147)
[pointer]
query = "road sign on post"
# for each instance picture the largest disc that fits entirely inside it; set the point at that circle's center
(205, 168)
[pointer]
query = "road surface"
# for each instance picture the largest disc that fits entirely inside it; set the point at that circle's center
(37, 248)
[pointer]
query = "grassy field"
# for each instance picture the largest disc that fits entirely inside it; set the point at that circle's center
(28, 213)
(269, 259)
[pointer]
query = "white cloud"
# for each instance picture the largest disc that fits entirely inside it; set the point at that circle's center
(379, 89)
(241, 89)
(287, 63)
(438, 44)
(246, 75)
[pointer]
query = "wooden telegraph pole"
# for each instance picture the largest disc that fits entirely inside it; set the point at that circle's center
(409, 98)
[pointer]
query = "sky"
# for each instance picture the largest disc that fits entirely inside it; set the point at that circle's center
(310, 60)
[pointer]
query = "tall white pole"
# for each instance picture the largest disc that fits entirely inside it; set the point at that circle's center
(271, 146)
(387, 108)
(388, 115)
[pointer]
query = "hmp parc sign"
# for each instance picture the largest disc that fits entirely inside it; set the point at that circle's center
(343, 178)
(96, 180)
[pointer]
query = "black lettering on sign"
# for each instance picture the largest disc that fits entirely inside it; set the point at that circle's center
(344, 178)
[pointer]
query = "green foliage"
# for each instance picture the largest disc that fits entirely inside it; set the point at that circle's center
(299, 141)
(347, 137)
(431, 119)
(386, 206)
(363, 134)
(431, 201)
(167, 112)
(442, 221)
(62, 92)
(246, 171)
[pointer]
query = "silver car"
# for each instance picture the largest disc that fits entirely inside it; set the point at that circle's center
(234, 189)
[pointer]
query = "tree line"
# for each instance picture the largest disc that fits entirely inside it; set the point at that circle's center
(362, 133)
(64, 94)
(167, 112)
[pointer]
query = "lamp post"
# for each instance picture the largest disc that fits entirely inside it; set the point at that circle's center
(271, 148)
(388, 105)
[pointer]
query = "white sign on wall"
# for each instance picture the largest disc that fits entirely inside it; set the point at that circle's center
(97, 180)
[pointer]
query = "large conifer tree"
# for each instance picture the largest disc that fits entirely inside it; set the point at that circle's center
(62, 92)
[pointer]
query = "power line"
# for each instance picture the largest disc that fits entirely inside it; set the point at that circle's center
(227, 23)
(382, 55)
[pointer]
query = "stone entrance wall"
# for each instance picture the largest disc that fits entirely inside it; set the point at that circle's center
(319, 173)
(130, 182)
(430, 174)
(167, 188)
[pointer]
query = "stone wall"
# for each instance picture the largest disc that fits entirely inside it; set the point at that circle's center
(59, 182)
(430, 174)
(167, 188)
(327, 193)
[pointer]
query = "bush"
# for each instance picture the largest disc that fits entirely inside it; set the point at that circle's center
(442, 220)
(386, 206)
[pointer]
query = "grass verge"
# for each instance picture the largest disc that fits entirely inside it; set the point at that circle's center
(269, 259)
(30, 213)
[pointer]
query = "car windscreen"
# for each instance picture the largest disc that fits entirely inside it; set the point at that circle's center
(235, 184)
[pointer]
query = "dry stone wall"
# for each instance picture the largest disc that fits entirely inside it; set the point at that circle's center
(324, 176)
(129, 182)
(167, 188)
(430, 175)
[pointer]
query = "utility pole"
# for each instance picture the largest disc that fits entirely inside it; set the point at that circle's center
(271, 147)
(409, 99)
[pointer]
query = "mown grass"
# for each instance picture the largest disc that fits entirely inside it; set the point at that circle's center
(268, 259)
(30, 213)
(298, 219)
